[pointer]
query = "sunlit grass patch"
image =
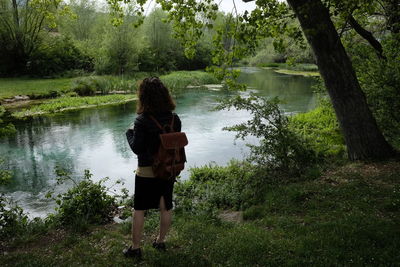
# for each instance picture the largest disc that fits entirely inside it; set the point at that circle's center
(68, 103)
(298, 72)
(10, 87)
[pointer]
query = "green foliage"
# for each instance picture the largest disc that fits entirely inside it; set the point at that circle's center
(380, 80)
(211, 187)
(119, 49)
(88, 86)
(13, 220)
(34, 88)
(71, 102)
(84, 86)
(181, 79)
(5, 174)
(280, 148)
(85, 203)
(321, 129)
(22, 27)
(56, 55)
(6, 128)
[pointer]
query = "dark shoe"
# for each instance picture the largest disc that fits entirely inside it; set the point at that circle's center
(133, 253)
(159, 246)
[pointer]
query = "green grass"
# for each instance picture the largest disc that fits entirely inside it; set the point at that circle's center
(349, 216)
(297, 72)
(68, 103)
(10, 87)
(297, 66)
(49, 88)
(181, 79)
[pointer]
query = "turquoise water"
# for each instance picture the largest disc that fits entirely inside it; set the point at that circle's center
(94, 139)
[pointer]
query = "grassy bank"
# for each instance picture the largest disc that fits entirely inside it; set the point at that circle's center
(296, 69)
(50, 88)
(57, 92)
(347, 216)
(10, 87)
(69, 103)
(181, 79)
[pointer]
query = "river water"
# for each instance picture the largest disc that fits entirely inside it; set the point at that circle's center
(94, 138)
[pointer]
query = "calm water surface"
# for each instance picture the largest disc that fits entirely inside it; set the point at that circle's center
(94, 139)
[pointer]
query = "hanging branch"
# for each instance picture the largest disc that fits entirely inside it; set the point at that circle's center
(367, 36)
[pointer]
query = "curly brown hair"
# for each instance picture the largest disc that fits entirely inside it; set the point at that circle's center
(154, 97)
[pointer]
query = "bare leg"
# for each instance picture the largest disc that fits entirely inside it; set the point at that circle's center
(165, 221)
(137, 227)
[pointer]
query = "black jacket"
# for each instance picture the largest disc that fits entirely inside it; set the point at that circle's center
(143, 137)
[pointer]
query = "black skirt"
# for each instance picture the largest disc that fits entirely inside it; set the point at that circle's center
(148, 192)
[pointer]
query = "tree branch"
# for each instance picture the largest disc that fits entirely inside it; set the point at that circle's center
(367, 36)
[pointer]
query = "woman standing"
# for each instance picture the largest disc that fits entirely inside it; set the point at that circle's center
(155, 106)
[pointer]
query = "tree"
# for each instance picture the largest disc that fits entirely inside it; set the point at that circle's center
(363, 138)
(21, 24)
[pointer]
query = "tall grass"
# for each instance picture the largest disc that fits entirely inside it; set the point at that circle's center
(181, 79)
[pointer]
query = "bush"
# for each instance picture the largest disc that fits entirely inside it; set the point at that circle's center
(13, 220)
(85, 203)
(235, 186)
(321, 129)
(380, 80)
(57, 55)
(280, 149)
(84, 87)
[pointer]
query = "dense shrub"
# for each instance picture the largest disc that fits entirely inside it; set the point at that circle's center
(84, 87)
(211, 187)
(85, 203)
(280, 148)
(321, 128)
(57, 55)
(380, 80)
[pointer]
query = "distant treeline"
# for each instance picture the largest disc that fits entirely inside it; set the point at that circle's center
(49, 39)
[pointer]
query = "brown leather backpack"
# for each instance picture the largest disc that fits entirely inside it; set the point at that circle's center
(170, 158)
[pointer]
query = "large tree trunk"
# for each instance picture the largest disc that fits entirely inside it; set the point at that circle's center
(363, 138)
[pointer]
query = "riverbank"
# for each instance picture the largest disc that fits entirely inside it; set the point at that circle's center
(59, 95)
(349, 215)
(72, 103)
(306, 70)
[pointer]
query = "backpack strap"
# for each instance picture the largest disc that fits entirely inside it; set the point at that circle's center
(172, 122)
(159, 125)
